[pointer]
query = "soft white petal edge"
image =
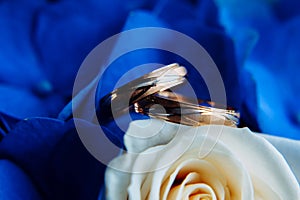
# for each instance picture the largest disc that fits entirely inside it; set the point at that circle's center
(261, 159)
(290, 149)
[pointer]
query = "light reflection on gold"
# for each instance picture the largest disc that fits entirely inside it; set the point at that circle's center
(178, 109)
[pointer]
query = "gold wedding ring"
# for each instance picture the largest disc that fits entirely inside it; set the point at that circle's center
(150, 95)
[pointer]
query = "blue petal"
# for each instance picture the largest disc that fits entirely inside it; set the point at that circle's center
(15, 184)
(273, 115)
(208, 14)
(174, 11)
(6, 124)
(53, 155)
(76, 174)
(21, 103)
(287, 9)
(267, 68)
(19, 64)
(66, 32)
(272, 58)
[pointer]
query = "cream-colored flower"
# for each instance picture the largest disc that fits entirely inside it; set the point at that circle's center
(170, 161)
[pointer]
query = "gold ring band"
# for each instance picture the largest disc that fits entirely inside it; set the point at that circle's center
(143, 95)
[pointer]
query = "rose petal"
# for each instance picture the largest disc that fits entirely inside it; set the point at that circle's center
(22, 103)
(15, 183)
(262, 161)
(290, 150)
(51, 153)
(190, 190)
(137, 139)
(281, 181)
(204, 170)
(253, 171)
(117, 180)
(160, 176)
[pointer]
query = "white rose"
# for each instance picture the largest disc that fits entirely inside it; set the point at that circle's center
(170, 161)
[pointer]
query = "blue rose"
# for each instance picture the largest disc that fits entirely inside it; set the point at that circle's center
(266, 35)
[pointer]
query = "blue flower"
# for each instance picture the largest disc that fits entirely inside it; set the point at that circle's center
(56, 163)
(266, 35)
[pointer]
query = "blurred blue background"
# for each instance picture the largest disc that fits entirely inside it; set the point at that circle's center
(255, 45)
